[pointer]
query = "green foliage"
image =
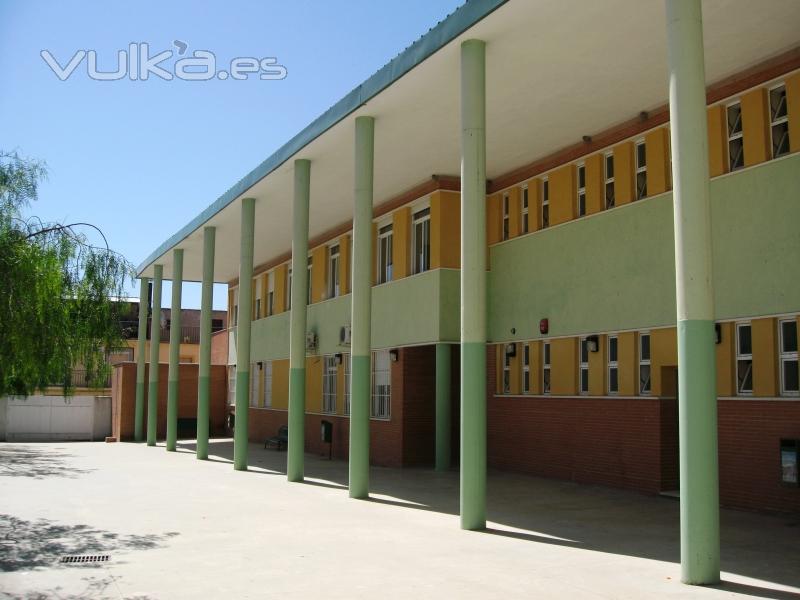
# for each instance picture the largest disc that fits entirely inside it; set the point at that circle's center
(58, 293)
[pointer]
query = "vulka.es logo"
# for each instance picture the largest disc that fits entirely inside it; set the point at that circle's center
(137, 64)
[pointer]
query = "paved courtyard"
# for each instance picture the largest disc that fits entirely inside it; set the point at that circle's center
(175, 527)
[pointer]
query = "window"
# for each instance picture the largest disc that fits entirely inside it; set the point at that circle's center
(289, 289)
(506, 216)
(545, 367)
(217, 325)
(268, 384)
(545, 202)
(581, 175)
(346, 369)
(744, 359)
(778, 121)
(644, 364)
(270, 293)
(735, 143)
(583, 380)
(381, 385)
(788, 357)
(506, 371)
(231, 385)
(526, 369)
(608, 161)
(255, 371)
(330, 370)
(235, 315)
(422, 240)
(333, 271)
(613, 369)
(385, 238)
(524, 209)
(257, 288)
(641, 170)
(308, 282)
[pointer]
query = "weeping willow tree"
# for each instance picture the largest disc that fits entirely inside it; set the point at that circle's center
(58, 292)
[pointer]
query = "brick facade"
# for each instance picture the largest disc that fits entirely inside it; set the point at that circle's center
(219, 347)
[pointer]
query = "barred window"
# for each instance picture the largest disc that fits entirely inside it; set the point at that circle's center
(381, 385)
(329, 372)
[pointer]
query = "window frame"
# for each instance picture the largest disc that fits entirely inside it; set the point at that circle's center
(422, 222)
(641, 169)
(645, 362)
(744, 357)
(546, 370)
(231, 385)
(289, 287)
(609, 180)
(524, 210)
(267, 395)
(738, 135)
(381, 400)
(785, 356)
(270, 309)
(506, 381)
(255, 377)
(773, 123)
(580, 171)
(346, 373)
(526, 368)
(544, 213)
(334, 259)
(612, 365)
(385, 245)
(506, 210)
(330, 373)
(583, 365)
(309, 267)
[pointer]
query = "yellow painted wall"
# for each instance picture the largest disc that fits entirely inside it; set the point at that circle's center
(563, 199)
(515, 365)
(658, 171)
(319, 273)
(314, 384)
(594, 184)
(628, 364)
(624, 168)
(793, 107)
(536, 367)
(344, 264)
(598, 368)
(514, 212)
(281, 279)
(401, 243)
(280, 384)
(755, 127)
(445, 230)
(534, 204)
(726, 361)
(188, 353)
(494, 218)
(765, 360)
(717, 141)
(564, 366)
(663, 353)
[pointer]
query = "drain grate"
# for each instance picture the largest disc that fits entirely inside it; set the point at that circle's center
(85, 559)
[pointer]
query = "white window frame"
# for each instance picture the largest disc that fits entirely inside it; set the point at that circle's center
(613, 365)
(645, 388)
(330, 371)
(385, 261)
(583, 366)
(231, 385)
(259, 301)
(546, 362)
(641, 169)
(381, 397)
(785, 356)
(506, 381)
(545, 212)
(609, 180)
(526, 368)
(744, 357)
(739, 135)
(334, 258)
(346, 371)
(421, 262)
(581, 189)
(255, 375)
(267, 384)
(270, 310)
(308, 280)
(289, 287)
(784, 120)
(525, 199)
(506, 201)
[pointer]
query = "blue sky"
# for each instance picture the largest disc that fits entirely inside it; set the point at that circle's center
(140, 158)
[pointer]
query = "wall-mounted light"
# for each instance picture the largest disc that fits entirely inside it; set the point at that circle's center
(587, 139)
(338, 358)
(394, 355)
(260, 365)
(511, 350)
(643, 116)
(544, 326)
(513, 330)
(717, 333)
(592, 343)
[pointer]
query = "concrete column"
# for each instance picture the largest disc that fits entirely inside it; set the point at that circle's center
(360, 346)
(295, 465)
(443, 407)
(697, 397)
(173, 377)
(138, 418)
(203, 377)
(155, 342)
(473, 285)
(243, 334)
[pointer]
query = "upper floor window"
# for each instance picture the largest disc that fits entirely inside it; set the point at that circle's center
(308, 281)
(545, 202)
(329, 373)
(381, 385)
(613, 365)
(289, 288)
(581, 176)
(735, 143)
(641, 170)
(788, 357)
(608, 165)
(744, 359)
(526, 368)
(268, 384)
(644, 364)
(779, 121)
(333, 271)
(545, 367)
(421, 227)
(257, 307)
(583, 378)
(524, 219)
(270, 293)
(385, 254)
(506, 216)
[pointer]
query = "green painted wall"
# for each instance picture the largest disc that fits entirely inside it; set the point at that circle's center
(616, 270)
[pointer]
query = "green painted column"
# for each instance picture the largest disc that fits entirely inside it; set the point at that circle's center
(473, 284)
(295, 461)
(204, 371)
(155, 343)
(173, 376)
(697, 396)
(141, 343)
(443, 412)
(243, 334)
(360, 341)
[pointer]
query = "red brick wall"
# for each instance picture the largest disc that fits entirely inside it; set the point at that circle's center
(123, 394)
(219, 347)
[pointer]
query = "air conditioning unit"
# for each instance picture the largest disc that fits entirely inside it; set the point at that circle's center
(345, 333)
(311, 341)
